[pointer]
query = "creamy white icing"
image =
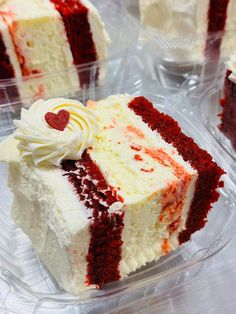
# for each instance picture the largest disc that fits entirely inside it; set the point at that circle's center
(44, 145)
(176, 18)
(231, 65)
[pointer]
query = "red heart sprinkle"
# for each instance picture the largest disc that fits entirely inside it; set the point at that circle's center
(58, 120)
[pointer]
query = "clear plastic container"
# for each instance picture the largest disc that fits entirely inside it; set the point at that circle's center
(29, 288)
(123, 33)
(180, 59)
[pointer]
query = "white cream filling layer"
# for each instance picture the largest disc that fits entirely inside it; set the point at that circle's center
(228, 42)
(119, 127)
(97, 27)
(100, 37)
(143, 192)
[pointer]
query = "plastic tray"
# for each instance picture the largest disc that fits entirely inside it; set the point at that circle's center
(35, 291)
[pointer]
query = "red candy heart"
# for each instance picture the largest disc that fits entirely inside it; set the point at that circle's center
(58, 120)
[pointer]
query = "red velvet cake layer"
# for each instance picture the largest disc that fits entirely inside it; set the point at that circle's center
(104, 253)
(217, 15)
(209, 172)
(6, 69)
(228, 126)
(75, 18)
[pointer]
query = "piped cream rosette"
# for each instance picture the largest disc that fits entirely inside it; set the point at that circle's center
(44, 145)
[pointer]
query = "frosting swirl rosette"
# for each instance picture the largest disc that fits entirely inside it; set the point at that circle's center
(54, 130)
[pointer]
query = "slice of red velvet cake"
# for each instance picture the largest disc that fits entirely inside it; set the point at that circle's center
(48, 39)
(211, 23)
(228, 124)
(103, 190)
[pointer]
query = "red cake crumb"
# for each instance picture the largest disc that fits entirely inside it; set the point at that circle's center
(105, 245)
(228, 125)
(135, 148)
(217, 15)
(209, 172)
(147, 170)
(166, 248)
(75, 18)
(222, 102)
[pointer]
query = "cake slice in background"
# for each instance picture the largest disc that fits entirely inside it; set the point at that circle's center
(103, 190)
(197, 19)
(228, 123)
(43, 37)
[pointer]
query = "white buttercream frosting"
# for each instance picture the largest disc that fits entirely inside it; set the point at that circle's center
(44, 145)
(231, 65)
